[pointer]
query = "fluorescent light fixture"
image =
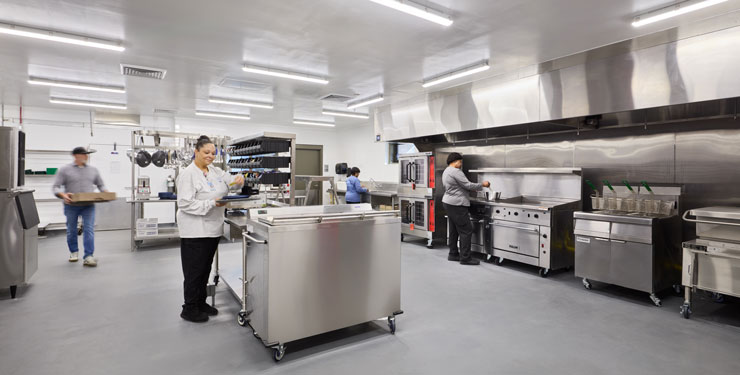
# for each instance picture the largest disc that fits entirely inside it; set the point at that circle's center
(56, 36)
(330, 112)
(242, 103)
(365, 102)
(114, 124)
(284, 74)
(223, 115)
(75, 85)
(418, 10)
(673, 11)
(86, 103)
(466, 71)
(313, 123)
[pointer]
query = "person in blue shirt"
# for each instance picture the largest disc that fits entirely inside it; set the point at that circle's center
(354, 188)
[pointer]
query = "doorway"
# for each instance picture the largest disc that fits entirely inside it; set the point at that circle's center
(309, 161)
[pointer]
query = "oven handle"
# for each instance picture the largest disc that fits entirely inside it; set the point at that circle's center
(408, 172)
(535, 230)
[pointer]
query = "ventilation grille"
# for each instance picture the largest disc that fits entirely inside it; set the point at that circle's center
(164, 112)
(336, 98)
(142, 71)
(238, 84)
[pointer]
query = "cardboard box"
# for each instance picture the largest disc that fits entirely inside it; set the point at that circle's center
(146, 224)
(93, 197)
(147, 233)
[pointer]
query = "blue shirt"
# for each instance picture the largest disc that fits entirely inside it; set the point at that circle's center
(354, 189)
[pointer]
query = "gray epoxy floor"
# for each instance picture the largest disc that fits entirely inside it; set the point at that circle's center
(122, 318)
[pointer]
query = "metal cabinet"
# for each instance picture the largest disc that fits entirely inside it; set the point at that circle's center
(593, 256)
(631, 265)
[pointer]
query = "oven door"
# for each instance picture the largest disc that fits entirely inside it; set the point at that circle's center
(517, 238)
(415, 213)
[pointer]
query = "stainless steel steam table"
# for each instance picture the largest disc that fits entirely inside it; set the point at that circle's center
(311, 270)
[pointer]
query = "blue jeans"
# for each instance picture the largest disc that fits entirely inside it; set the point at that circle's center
(88, 227)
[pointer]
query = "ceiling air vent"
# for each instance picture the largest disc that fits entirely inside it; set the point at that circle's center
(164, 112)
(142, 71)
(337, 98)
(239, 84)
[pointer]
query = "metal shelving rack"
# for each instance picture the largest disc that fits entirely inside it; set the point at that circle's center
(188, 140)
(269, 148)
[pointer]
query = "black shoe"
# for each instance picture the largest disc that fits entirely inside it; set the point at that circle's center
(470, 262)
(193, 315)
(208, 309)
(453, 257)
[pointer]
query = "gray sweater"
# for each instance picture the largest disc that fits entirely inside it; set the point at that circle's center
(74, 179)
(457, 187)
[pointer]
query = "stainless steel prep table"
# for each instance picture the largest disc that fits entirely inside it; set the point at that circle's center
(311, 270)
(712, 261)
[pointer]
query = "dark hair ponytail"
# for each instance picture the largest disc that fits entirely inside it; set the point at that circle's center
(202, 141)
(353, 171)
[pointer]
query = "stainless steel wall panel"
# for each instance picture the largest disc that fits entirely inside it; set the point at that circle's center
(707, 165)
(540, 155)
(649, 158)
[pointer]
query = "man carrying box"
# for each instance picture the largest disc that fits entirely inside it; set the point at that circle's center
(78, 177)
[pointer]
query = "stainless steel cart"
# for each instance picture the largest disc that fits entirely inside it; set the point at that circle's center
(712, 261)
(315, 269)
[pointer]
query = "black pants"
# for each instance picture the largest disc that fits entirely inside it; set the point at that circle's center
(197, 257)
(460, 227)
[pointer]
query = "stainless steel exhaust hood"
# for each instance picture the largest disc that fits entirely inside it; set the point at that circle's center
(659, 80)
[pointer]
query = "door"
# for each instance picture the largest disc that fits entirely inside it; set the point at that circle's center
(517, 238)
(593, 255)
(308, 162)
(414, 211)
(632, 265)
(405, 165)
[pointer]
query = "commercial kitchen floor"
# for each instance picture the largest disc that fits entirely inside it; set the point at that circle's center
(122, 318)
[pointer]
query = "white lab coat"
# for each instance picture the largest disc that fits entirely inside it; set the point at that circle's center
(197, 214)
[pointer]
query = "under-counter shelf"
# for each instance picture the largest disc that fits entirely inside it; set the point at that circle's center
(529, 170)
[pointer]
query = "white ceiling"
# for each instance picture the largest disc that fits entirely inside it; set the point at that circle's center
(363, 48)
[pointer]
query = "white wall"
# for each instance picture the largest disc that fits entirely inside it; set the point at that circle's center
(357, 147)
(62, 130)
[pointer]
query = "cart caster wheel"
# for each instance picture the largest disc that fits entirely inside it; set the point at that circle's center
(13, 291)
(718, 298)
(241, 318)
(490, 258)
(255, 334)
(278, 353)
(392, 324)
(686, 311)
(656, 300)
(499, 261)
(587, 284)
(215, 279)
(79, 231)
(543, 272)
(677, 289)
(430, 246)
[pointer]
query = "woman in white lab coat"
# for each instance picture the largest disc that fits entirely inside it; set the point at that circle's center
(200, 219)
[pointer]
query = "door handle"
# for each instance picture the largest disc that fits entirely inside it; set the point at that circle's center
(601, 239)
(618, 241)
(535, 230)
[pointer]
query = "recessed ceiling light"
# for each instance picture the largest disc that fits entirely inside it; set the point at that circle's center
(673, 11)
(418, 10)
(86, 103)
(242, 103)
(223, 115)
(313, 123)
(455, 74)
(365, 101)
(75, 85)
(284, 74)
(330, 112)
(60, 37)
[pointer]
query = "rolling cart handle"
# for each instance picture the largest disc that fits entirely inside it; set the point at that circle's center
(685, 214)
(247, 236)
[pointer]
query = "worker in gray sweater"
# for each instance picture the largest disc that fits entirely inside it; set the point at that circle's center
(457, 202)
